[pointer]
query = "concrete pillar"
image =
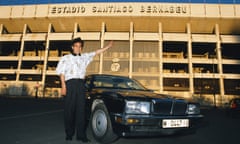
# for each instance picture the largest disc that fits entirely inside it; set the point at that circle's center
(102, 45)
(160, 42)
(1, 49)
(131, 39)
(190, 65)
(1, 31)
(75, 30)
(44, 70)
(21, 53)
(218, 51)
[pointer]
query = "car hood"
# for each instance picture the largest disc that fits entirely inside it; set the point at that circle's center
(132, 94)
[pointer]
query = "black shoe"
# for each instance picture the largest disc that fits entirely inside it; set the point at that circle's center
(84, 139)
(68, 138)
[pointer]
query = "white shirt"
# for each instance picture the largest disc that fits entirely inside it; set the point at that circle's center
(74, 67)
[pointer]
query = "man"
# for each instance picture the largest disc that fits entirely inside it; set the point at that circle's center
(72, 69)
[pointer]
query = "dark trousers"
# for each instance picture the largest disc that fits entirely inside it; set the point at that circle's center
(74, 108)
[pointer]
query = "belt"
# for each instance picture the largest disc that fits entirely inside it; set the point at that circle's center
(75, 79)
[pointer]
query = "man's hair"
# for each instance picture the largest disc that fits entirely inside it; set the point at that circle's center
(76, 40)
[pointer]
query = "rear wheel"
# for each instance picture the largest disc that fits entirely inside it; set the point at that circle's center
(101, 125)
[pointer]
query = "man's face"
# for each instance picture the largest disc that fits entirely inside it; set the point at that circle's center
(77, 48)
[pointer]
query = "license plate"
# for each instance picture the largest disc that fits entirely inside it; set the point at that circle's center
(175, 123)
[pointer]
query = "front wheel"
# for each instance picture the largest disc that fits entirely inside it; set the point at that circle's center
(101, 125)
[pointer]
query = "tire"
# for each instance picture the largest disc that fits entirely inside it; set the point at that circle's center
(101, 125)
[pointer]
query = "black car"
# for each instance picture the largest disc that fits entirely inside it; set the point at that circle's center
(120, 106)
(233, 108)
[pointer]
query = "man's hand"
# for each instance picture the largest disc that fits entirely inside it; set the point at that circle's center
(63, 85)
(63, 91)
(110, 44)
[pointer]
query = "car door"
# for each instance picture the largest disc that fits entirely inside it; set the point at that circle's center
(87, 84)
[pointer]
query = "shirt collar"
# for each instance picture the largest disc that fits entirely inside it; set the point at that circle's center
(76, 54)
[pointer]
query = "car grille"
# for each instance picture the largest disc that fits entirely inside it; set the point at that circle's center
(169, 107)
(162, 107)
(179, 108)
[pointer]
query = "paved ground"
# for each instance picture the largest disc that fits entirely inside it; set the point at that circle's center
(31, 121)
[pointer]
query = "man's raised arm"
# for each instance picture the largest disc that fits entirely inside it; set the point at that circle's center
(101, 50)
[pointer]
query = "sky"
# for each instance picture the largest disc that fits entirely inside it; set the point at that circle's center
(25, 2)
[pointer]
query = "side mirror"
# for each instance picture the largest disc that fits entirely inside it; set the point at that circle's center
(86, 87)
(150, 90)
(226, 104)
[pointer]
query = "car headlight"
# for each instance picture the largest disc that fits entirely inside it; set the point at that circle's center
(137, 107)
(193, 109)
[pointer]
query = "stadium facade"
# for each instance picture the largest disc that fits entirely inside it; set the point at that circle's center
(186, 48)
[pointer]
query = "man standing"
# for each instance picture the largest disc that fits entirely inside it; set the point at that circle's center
(72, 69)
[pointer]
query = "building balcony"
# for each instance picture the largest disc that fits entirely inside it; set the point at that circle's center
(8, 58)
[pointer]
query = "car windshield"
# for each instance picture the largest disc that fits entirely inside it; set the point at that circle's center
(116, 83)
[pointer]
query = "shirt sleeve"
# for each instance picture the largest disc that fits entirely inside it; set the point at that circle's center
(89, 57)
(61, 66)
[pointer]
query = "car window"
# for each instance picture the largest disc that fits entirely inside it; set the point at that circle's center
(101, 82)
(237, 101)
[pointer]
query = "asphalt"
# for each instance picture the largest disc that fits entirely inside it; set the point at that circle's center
(40, 121)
